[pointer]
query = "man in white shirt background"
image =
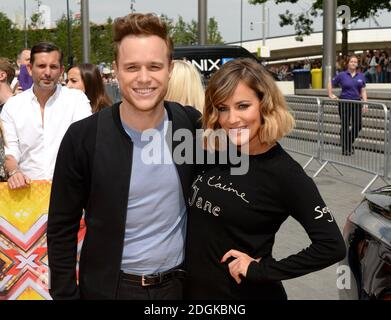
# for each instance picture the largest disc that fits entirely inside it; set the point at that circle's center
(36, 120)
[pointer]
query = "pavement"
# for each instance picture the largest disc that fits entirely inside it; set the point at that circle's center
(342, 194)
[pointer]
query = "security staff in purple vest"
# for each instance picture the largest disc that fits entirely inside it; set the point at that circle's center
(352, 84)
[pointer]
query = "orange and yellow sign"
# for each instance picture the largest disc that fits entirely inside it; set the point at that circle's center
(23, 248)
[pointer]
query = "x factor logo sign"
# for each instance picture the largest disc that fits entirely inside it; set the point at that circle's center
(23, 249)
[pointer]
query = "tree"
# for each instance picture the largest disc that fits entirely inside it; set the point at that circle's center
(11, 38)
(60, 38)
(214, 36)
(360, 10)
(35, 31)
(36, 20)
(184, 33)
(101, 42)
(169, 23)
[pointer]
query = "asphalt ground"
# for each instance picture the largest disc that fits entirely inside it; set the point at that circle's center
(341, 193)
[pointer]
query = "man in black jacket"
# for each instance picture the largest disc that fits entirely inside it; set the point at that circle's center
(132, 190)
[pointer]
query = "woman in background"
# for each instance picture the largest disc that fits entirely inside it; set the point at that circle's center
(185, 85)
(352, 85)
(87, 78)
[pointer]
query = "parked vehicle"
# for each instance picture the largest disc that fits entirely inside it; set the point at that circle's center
(206, 59)
(367, 233)
(209, 58)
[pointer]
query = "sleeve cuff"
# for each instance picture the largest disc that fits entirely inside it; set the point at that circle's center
(252, 271)
(11, 152)
(260, 271)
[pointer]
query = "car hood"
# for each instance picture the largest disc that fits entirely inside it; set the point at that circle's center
(373, 214)
(380, 201)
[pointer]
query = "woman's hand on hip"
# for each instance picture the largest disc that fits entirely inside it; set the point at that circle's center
(239, 265)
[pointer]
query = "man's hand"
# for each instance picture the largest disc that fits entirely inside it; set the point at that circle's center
(18, 180)
(239, 265)
(333, 96)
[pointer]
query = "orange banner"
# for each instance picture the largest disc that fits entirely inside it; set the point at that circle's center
(23, 248)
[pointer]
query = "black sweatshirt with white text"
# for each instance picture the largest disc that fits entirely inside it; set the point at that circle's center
(244, 212)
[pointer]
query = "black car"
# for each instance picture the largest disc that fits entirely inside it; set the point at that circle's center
(365, 273)
(209, 58)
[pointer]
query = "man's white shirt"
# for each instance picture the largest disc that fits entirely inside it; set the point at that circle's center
(32, 143)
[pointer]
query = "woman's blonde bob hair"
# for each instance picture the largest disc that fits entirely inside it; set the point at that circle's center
(276, 120)
(185, 85)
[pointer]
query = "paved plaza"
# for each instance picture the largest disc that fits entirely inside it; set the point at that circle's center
(341, 194)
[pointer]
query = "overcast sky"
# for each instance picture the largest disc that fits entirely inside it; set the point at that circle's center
(226, 12)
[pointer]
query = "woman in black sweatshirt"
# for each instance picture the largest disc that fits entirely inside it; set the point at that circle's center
(234, 217)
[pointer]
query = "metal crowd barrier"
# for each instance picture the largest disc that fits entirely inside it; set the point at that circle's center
(355, 134)
(344, 132)
(304, 110)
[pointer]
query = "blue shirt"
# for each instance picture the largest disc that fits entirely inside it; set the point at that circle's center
(350, 86)
(156, 216)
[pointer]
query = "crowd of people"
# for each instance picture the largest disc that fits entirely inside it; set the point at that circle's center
(164, 229)
(284, 71)
(374, 64)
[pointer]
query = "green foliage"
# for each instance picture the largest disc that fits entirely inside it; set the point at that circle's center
(184, 33)
(36, 19)
(360, 9)
(12, 39)
(101, 42)
(214, 36)
(169, 22)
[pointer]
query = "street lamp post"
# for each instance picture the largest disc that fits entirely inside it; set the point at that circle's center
(264, 22)
(202, 22)
(69, 27)
(241, 22)
(329, 39)
(25, 25)
(85, 21)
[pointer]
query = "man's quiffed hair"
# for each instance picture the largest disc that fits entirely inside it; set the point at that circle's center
(139, 24)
